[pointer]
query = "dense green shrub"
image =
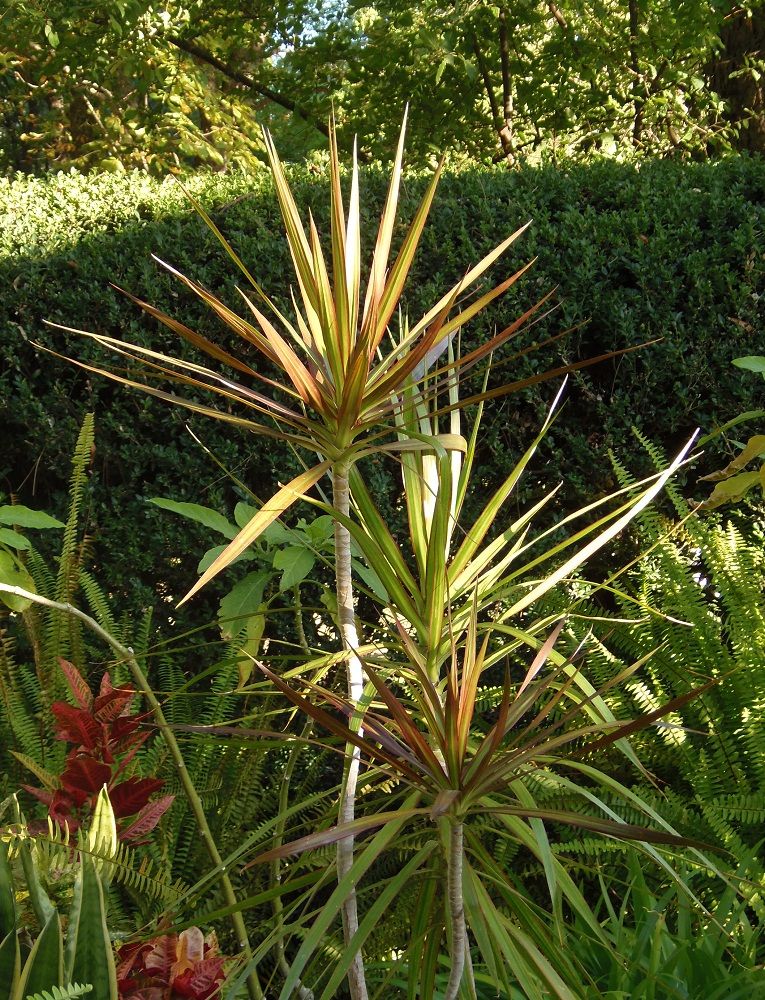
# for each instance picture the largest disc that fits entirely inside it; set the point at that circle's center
(664, 251)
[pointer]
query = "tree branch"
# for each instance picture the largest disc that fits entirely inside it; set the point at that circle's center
(557, 14)
(246, 81)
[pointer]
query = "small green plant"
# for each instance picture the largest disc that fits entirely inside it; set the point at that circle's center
(282, 559)
(663, 948)
(55, 961)
(732, 483)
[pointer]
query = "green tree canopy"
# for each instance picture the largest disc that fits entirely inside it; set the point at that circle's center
(184, 82)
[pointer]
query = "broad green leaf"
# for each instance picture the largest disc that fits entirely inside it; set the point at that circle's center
(296, 562)
(320, 530)
(751, 363)
(196, 512)
(277, 534)
(753, 448)
(371, 579)
(23, 517)
(244, 513)
(10, 965)
(243, 600)
(250, 648)
(13, 574)
(212, 554)
(731, 490)
(14, 539)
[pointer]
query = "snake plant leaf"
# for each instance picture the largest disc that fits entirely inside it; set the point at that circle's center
(89, 954)
(7, 893)
(10, 965)
(102, 834)
(44, 967)
(10, 958)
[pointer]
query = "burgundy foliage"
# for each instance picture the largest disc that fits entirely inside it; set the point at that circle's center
(171, 967)
(106, 736)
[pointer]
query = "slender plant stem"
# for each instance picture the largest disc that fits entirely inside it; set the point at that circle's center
(253, 985)
(299, 627)
(302, 991)
(458, 932)
(349, 635)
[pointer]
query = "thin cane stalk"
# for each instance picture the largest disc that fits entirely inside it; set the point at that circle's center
(355, 674)
(253, 985)
(457, 929)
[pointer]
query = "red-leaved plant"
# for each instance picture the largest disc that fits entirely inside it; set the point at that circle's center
(172, 966)
(106, 736)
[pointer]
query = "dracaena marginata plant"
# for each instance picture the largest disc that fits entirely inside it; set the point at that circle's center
(454, 597)
(348, 364)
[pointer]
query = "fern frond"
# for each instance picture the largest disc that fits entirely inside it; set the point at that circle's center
(71, 992)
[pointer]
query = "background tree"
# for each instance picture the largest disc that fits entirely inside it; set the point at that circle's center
(186, 83)
(157, 85)
(639, 76)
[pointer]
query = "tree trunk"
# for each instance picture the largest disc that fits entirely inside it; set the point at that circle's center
(508, 112)
(347, 620)
(638, 99)
(743, 43)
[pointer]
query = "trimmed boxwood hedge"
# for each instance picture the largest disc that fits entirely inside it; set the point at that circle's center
(666, 250)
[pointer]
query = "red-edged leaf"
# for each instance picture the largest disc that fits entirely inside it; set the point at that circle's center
(202, 982)
(541, 658)
(83, 777)
(131, 795)
(336, 727)
(147, 818)
(128, 956)
(61, 812)
(76, 725)
(159, 959)
(111, 704)
(39, 793)
(135, 745)
(122, 732)
(325, 837)
(77, 683)
(606, 827)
